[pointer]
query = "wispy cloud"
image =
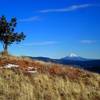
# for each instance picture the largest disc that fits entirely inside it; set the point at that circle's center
(44, 43)
(88, 41)
(30, 19)
(70, 8)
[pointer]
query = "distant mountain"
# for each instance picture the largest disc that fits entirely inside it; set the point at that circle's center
(74, 60)
(74, 57)
(46, 59)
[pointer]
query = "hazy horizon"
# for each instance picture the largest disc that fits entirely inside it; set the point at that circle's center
(55, 28)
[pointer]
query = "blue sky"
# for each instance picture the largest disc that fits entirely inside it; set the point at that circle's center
(55, 28)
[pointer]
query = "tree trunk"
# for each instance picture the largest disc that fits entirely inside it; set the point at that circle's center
(5, 50)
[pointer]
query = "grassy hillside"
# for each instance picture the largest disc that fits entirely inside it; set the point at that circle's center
(51, 82)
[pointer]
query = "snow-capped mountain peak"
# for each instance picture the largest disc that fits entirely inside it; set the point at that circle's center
(73, 55)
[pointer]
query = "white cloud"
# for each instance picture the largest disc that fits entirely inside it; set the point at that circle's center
(30, 19)
(40, 43)
(88, 41)
(70, 8)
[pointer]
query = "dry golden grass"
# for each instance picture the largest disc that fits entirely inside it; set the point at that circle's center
(52, 82)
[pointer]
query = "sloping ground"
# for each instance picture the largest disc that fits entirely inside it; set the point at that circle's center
(51, 82)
